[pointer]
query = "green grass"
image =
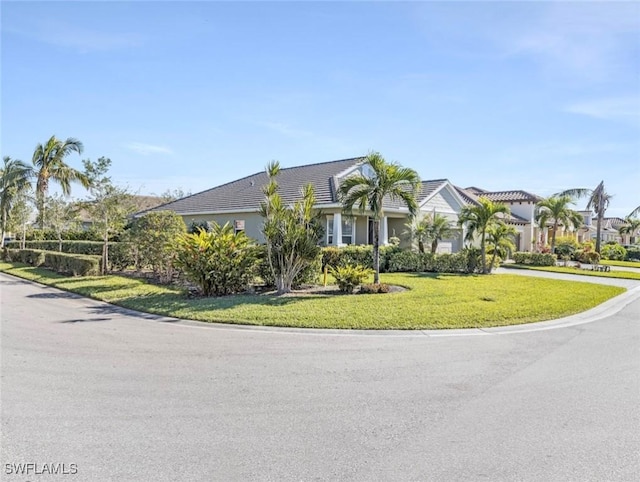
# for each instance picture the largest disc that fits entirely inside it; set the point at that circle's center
(578, 271)
(432, 301)
(626, 264)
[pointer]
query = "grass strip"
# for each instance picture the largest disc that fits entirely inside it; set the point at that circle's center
(432, 301)
(577, 271)
(624, 264)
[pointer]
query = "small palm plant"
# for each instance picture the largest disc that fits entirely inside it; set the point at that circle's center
(557, 210)
(500, 240)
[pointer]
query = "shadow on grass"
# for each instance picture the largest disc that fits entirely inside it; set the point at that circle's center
(441, 276)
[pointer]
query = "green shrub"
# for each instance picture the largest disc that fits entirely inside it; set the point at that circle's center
(566, 246)
(535, 259)
(349, 276)
(614, 252)
(72, 247)
(73, 264)
(309, 275)
(587, 257)
(33, 257)
(362, 255)
(370, 288)
(121, 256)
(406, 262)
(219, 262)
(633, 253)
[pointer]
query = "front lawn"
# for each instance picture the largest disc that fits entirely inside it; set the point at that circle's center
(432, 301)
(626, 264)
(579, 271)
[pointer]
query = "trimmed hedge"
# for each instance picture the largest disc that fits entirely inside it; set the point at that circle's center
(535, 259)
(633, 254)
(73, 264)
(357, 255)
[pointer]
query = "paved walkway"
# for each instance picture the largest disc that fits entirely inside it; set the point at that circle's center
(625, 283)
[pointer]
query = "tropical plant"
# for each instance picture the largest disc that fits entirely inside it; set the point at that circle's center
(631, 227)
(60, 216)
(348, 277)
(477, 219)
(500, 240)
(555, 209)
(368, 192)
(218, 261)
(49, 165)
(292, 233)
(598, 201)
(431, 228)
(614, 251)
(15, 180)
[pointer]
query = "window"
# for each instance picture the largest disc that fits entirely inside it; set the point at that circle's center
(329, 229)
(347, 229)
(238, 225)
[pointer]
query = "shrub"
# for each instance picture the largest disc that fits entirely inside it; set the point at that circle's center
(309, 275)
(73, 264)
(153, 237)
(352, 254)
(406, 261)
(613, 251)
(370, 288)
(535, 259)
(121, 256)
(566, 246)
(219, 262)
(587, 257)
(633, 253)
(350, 276)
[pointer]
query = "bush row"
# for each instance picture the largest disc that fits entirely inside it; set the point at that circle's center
(73, 264)
(535, 259)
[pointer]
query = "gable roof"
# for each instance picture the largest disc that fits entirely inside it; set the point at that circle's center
(246, 193)
(510, 196)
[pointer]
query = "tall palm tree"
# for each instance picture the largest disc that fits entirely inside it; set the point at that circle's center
(631, 227)
(500, 239)
(48, 161)
(598, 201)
(557, 210)
(367, 192)
(15, 179)
(478, 219)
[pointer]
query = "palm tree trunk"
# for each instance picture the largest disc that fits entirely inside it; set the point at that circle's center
(599, 230)
(2, 228)
(493, 258)
(421, 246)
(483, 252)
(376, 252)
(434, 246)
(553, 237)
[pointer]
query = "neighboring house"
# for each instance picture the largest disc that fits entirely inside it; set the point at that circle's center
(609, 231)
(238, 203)
(522, 205)
(140, 203)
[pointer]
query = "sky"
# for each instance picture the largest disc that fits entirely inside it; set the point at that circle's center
(538, 96)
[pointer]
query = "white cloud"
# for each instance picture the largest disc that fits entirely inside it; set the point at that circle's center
(147, 149)
(625, 109)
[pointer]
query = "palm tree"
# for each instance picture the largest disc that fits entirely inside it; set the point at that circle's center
(557, 210)
(439, 228)
(499, 237)
(631, 226)
(634, 213)
(598, 201)
(478, 219)
(15, 179)
(368, 192)
(48, 161)
(417, 232)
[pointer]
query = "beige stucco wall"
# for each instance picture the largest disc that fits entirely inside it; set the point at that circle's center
(252, 222)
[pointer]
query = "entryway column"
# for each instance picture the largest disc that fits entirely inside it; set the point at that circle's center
(337, 229)
(384, 234)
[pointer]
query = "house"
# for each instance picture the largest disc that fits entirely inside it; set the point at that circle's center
(609, 230)
(238, 203)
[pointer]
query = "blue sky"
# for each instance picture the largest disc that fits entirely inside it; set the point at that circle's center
(534, 96)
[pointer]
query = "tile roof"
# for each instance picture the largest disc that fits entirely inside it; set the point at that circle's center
(510, 196)
(246, 193)
(426, 189)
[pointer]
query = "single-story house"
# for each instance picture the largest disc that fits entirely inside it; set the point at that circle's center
(238, 203)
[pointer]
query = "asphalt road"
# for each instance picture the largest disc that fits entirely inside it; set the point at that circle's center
(130, 398)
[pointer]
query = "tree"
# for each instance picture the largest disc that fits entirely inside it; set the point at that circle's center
(439, 228)
(109, 205)
(367, 192)
(478, 219)
(500, 239)
(15, 179)
(634, 213)
(598, 201)
(154, 236)
(60, 216)
(556, 209)
(292, 233)
(48, 161)
(631, 227)
(21, 212)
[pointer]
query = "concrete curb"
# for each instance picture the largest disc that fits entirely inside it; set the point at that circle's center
(604, 310)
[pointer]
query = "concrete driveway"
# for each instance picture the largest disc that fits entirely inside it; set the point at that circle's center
(130, 398)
